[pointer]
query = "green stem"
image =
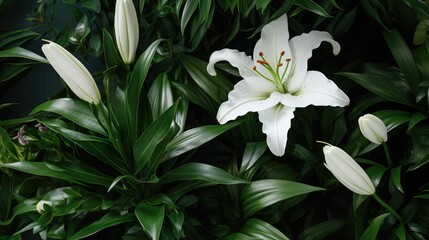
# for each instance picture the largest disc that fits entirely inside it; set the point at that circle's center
(386, 151)
(389, 208)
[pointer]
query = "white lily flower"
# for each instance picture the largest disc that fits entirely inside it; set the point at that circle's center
(73, 72)
(347, 171)
(40, 206)
(126, 29)
(373, 128)
(277, 81)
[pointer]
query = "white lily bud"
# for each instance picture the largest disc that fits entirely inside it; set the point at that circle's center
(126, 30)
(373, 128)
(40, 206)
(73, 72)
(347, 171)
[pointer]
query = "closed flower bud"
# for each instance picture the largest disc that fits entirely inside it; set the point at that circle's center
(373, 128)
(347, 171)
(73, 72)
(126, 30)
(40, 206)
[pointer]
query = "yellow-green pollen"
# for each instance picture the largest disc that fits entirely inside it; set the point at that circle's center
(277, 78)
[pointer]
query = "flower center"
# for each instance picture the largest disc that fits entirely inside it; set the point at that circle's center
(276, 74)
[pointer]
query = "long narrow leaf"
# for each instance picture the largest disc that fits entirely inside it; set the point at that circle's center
(372, 230)
(135, 88)
(194, 138)
(151, 137)
(200, 171)
(263, 193)
(74, 110)
(18, 52)
(404, 58)
(103, 223)
(151, 218)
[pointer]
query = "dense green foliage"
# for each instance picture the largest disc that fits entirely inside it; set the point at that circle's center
(152, 162)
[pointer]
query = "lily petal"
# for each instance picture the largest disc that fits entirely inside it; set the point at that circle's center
(276, 122)
(302, 47)
(274, 39)
(317, 90)
(237, 59)
(249, 95)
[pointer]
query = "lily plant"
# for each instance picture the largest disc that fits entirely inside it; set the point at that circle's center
(277, 80)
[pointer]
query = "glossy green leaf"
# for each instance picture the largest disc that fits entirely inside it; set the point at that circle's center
(371, 232)
(252, 152)
(21, 208)
(135, 88)
(85, 173)
(151, 218)
(93, 5)
(74, 110)
(41, 169)
(160, 95)
(216, 87)
(96, 146)
(381, 86)
(106, 221)
(371, 8)
(259, 229)
(204, 9)
(415, 119)
(146, 144)
(396, 178)
(188, 11)
(9, 71)
(16, 38)
(110, 51)
(177, 219)
(197, 96)
(322, 230)
(18, 52)
(312, 6)
(404, 58)
(420, 34)
(6, 188)
(203, 172)
(195, 137)
(393, 118)
(263, 193)
(400, 232)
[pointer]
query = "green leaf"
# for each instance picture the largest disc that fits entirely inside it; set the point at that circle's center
(393, 118)
(415, 119)
(367, 5)
(21, 208)
(371, 232)
(263, 193)
(195, 137)
(18, 52)
(400, 232)
(9, 71)
(74, 110)
(204, 8)
(96, 146)
(216, 87)
(106, 221)
(16, 38)
(188, 11)
(404, 58)
(259, 229)
(396, 178)
(93, 5)
(160, 95)
(135, 88)
(380, 85)
(110, 51)
(40, 169)
(151, 218)
(311, 6)
(322, 230)
(145, 146)
(201, 171)
(420, 34)
(252, 152)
